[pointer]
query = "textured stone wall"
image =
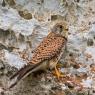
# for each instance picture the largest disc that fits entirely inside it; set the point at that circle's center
(23, 25)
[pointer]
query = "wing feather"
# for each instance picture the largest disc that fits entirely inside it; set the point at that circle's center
(48, 48)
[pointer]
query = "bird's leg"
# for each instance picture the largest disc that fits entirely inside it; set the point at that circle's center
(58, 73)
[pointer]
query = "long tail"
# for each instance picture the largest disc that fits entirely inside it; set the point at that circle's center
(22, 73)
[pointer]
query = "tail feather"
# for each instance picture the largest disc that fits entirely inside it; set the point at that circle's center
(22, 73)
(14, 79)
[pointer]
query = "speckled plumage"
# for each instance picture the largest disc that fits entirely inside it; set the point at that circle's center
(48, 48)
(45, 56)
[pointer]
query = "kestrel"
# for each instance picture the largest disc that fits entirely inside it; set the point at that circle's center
(47, 54)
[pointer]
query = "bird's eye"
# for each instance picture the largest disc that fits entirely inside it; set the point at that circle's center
(60, 27)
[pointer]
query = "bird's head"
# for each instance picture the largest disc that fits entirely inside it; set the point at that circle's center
(61, 28)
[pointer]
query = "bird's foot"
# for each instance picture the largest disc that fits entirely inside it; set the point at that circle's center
(58, 73)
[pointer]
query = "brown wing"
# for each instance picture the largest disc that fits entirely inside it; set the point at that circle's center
(48, 48)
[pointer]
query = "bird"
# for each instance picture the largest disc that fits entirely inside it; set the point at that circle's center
(47, 54)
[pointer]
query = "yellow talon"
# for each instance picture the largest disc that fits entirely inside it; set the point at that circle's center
(58, 73)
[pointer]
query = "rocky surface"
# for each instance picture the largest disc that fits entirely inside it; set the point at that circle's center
(23, 25)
